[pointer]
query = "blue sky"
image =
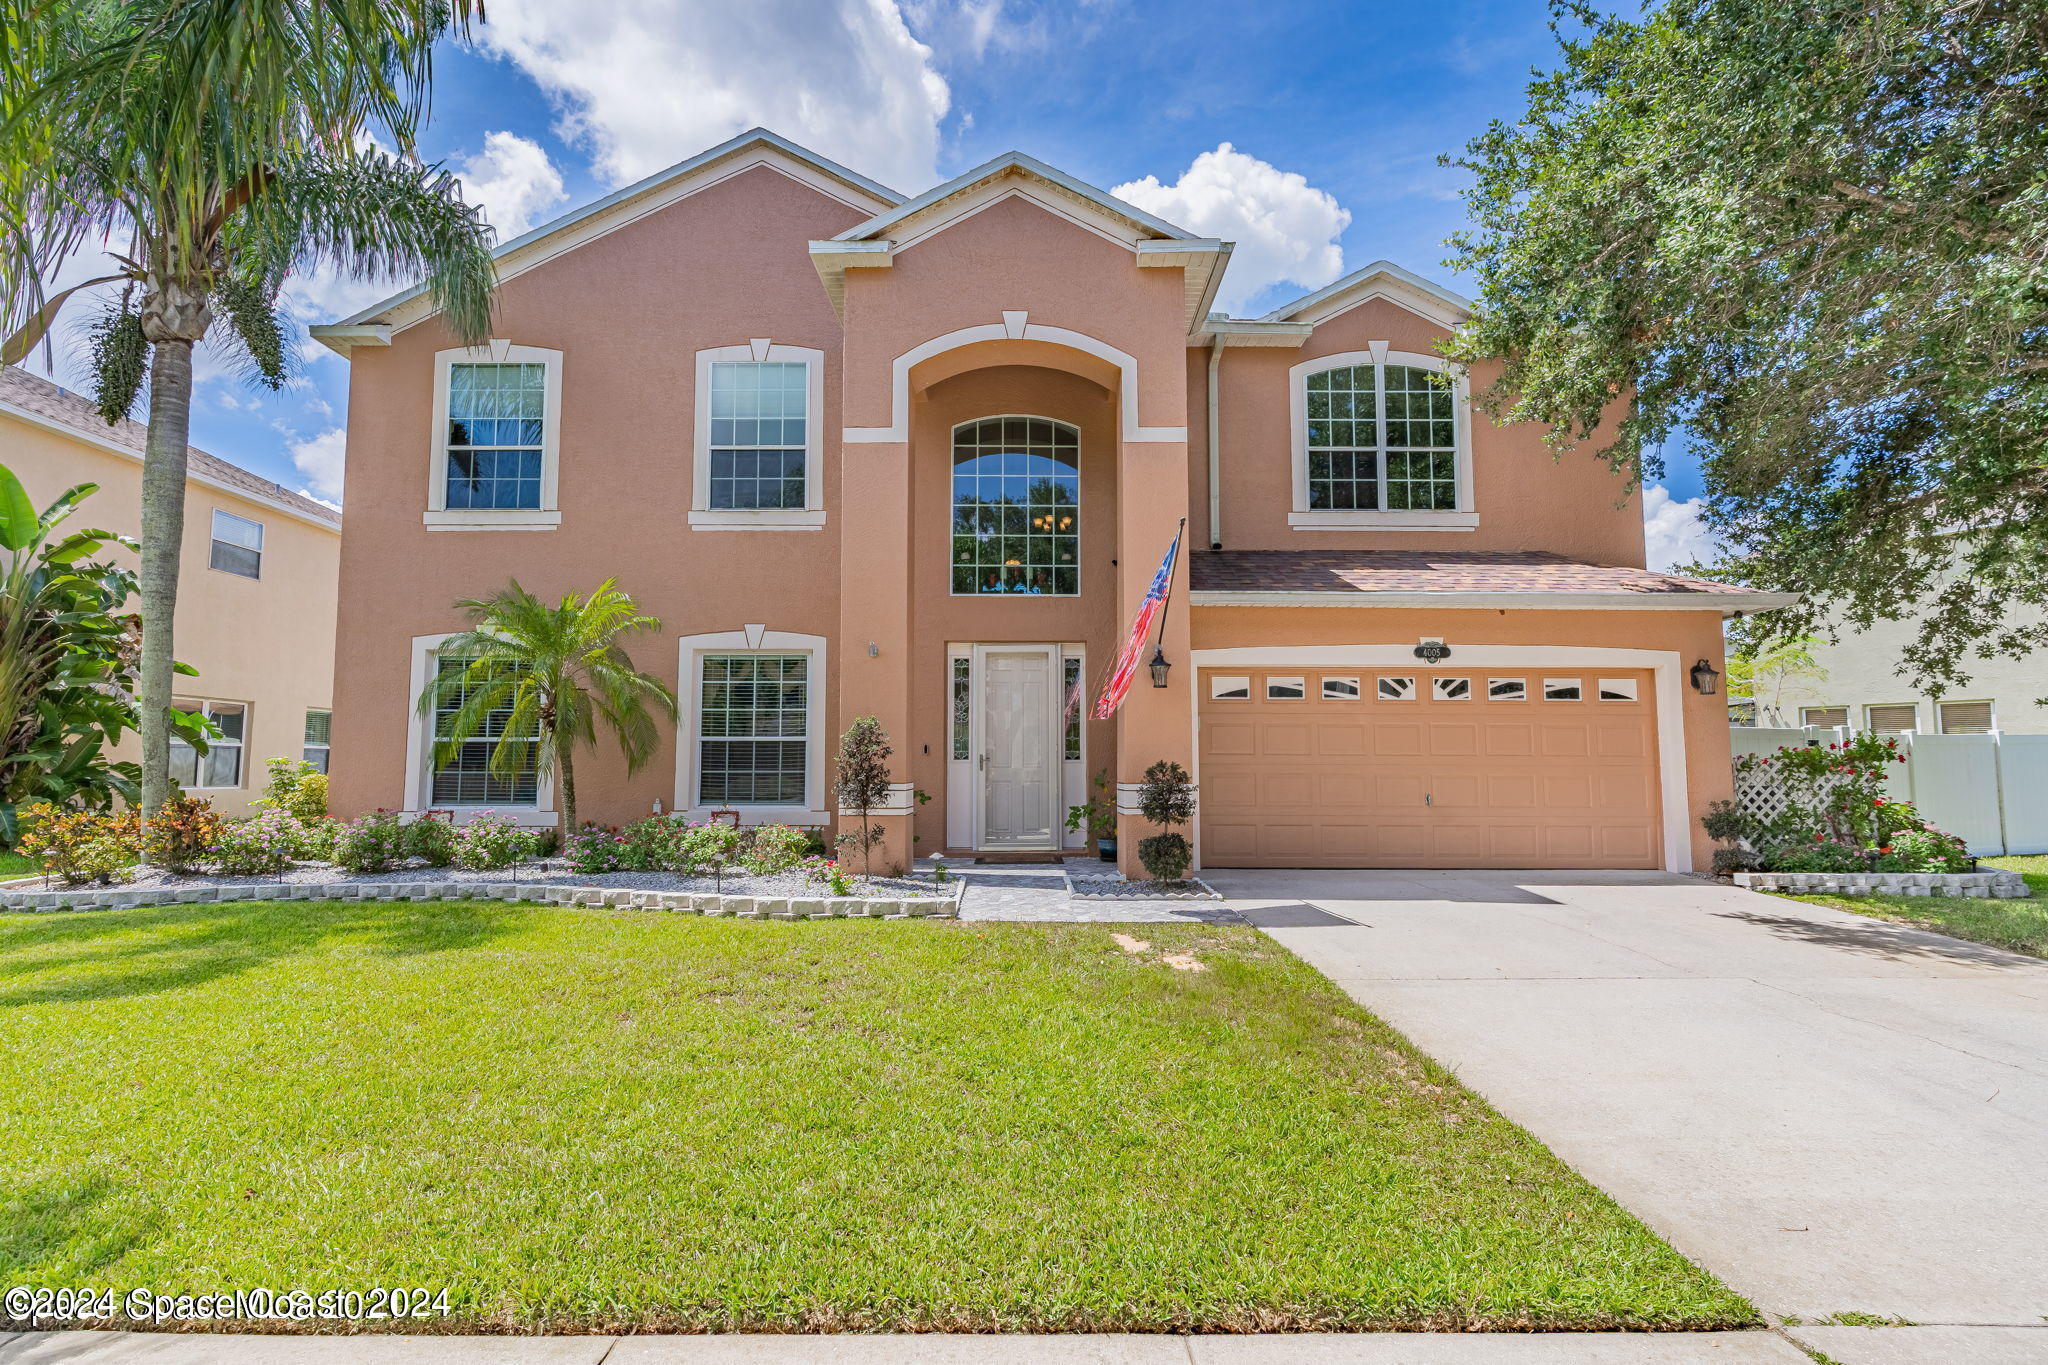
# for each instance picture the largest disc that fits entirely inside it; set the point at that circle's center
(1307, 132)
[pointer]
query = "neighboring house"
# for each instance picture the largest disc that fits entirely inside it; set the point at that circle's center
(919, 459)
(1861, 688)
(255, 591)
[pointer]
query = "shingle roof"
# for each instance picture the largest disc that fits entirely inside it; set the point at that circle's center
(33, 393)
(1407, 571)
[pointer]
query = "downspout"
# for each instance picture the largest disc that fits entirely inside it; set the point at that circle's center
(1215, 445)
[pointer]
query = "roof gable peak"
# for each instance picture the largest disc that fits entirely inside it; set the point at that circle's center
(1381, 279)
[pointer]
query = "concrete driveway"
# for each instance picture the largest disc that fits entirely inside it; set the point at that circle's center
(1833, 1114)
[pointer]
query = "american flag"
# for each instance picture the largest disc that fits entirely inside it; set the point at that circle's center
(1119, 681)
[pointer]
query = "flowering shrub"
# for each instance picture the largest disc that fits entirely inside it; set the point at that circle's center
(1836, 817)
(649, 845)
(370, 843)
(828, 871)
(80, 846)
(316, 839)
(491, 841)
(775, 848)
(594, 848)
(705, 848)
(431, 841)
(182, 834)
(263, 843)
(295, 787)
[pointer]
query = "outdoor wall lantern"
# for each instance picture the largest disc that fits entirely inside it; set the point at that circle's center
(1159, 667)
(1705, 678)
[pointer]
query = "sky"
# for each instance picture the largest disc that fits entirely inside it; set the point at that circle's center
(1307, 131)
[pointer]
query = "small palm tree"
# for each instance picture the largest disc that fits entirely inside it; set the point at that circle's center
(542, 678)
(209, 148)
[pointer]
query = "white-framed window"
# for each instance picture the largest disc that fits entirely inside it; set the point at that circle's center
(963, 707)
(220, 768)
(1892, 718)
(1966, 717)
(1340, 689)
(319, 738)
(752, 734)
(464, 785)
(468, 776)
(1451, 689)
(1397, 689)
(1562, 689)
(237, 545)
(1507, 689)
(1293, 688)
(1230, 687)
(1016, 507)
(1381, 438)
(758, 458)
(1617, 689)
(1073, 701)
(496, 450)
(1828, 717)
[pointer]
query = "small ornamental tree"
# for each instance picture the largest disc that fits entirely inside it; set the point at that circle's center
(1167, 798)
(863, 782)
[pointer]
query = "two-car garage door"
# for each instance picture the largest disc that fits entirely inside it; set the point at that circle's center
(1428, 767)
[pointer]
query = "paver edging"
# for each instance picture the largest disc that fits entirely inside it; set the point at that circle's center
(2000, 884)
(786, 908)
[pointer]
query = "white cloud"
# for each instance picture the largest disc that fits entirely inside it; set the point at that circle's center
(646, 83)
(1284, 227)
(322, 459)
(514, 181)
(1674, 532)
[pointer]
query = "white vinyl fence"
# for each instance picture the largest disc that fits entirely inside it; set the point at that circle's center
(1991, 789)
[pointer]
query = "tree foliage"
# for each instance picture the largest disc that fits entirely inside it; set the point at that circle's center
(540, 680)
(861, 777)
(1811, 234)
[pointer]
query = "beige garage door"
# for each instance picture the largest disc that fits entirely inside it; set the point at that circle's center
(1428, 767)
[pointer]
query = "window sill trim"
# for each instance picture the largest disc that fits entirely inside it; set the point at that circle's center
(756, 519)
(761, 815)
(1383, 521)
(486, 519)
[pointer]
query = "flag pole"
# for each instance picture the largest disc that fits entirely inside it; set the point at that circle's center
(1159, 636)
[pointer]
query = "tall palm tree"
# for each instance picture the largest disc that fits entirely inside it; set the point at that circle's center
(224, 143)
(537, 680)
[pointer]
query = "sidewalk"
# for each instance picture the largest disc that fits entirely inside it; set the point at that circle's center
(1382, 1348)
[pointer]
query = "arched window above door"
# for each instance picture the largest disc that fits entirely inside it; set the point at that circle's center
(1016, 507)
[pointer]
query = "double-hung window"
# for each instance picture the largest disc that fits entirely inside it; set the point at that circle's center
(753, 735)
(220, 767)
(319, 730)
(473, 775)
(1380, 441)
(497, 416)
(237, 545)
(759, 456)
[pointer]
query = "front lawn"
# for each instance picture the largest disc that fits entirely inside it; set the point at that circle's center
(2016, 926)
(14, 864)
(599, 1120)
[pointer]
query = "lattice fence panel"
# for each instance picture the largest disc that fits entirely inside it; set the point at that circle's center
(1765, 793)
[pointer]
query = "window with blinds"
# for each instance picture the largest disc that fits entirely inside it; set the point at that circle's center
(1891, 720)
(1828, 717)
(1965, 717)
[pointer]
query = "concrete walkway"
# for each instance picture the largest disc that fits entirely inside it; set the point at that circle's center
(114, 1348)
(1831, 1113)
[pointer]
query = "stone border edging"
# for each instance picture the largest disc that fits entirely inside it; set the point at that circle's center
(1998, 885)
(530, 893)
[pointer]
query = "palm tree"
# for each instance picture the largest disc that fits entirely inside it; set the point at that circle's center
(537, 680)
(225, 143)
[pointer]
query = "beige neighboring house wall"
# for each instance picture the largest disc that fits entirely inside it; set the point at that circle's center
(266, 643)
(1862, 673)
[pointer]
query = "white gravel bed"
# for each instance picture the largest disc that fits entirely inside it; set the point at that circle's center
(732, 884)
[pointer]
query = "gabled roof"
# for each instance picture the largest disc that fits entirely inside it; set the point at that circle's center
(756, 147)
(1156, 242)
(34, 399)
(1381, 279)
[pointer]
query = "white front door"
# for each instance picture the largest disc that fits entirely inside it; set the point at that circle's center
(1017, 766)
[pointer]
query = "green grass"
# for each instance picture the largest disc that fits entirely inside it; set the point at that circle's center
(17, 864)
(2016, 926)
(591, 1120)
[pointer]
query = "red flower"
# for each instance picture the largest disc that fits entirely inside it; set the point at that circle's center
(1878, 802)
(1820, 838)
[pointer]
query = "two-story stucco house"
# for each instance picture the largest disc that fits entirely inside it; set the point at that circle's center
(256, 584)
(920, 458)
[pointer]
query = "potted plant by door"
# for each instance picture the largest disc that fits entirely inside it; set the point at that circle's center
(1097, 815)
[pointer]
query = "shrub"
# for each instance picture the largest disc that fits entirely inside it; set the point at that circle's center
(775, 848)
(295, 787)
(1820, 854)
(649, 845)
(595, 848)
(80, 846)
(705, 848)
(316, 839)
(1167, 798)
(431, 841)
(828, 871)
(263, 843)
(183, 833)
(370, 843)
(1166, 856)
(861, 777)
(491, 841)
(1927, 850)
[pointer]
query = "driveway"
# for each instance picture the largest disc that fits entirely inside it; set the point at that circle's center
(1833, 1114)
